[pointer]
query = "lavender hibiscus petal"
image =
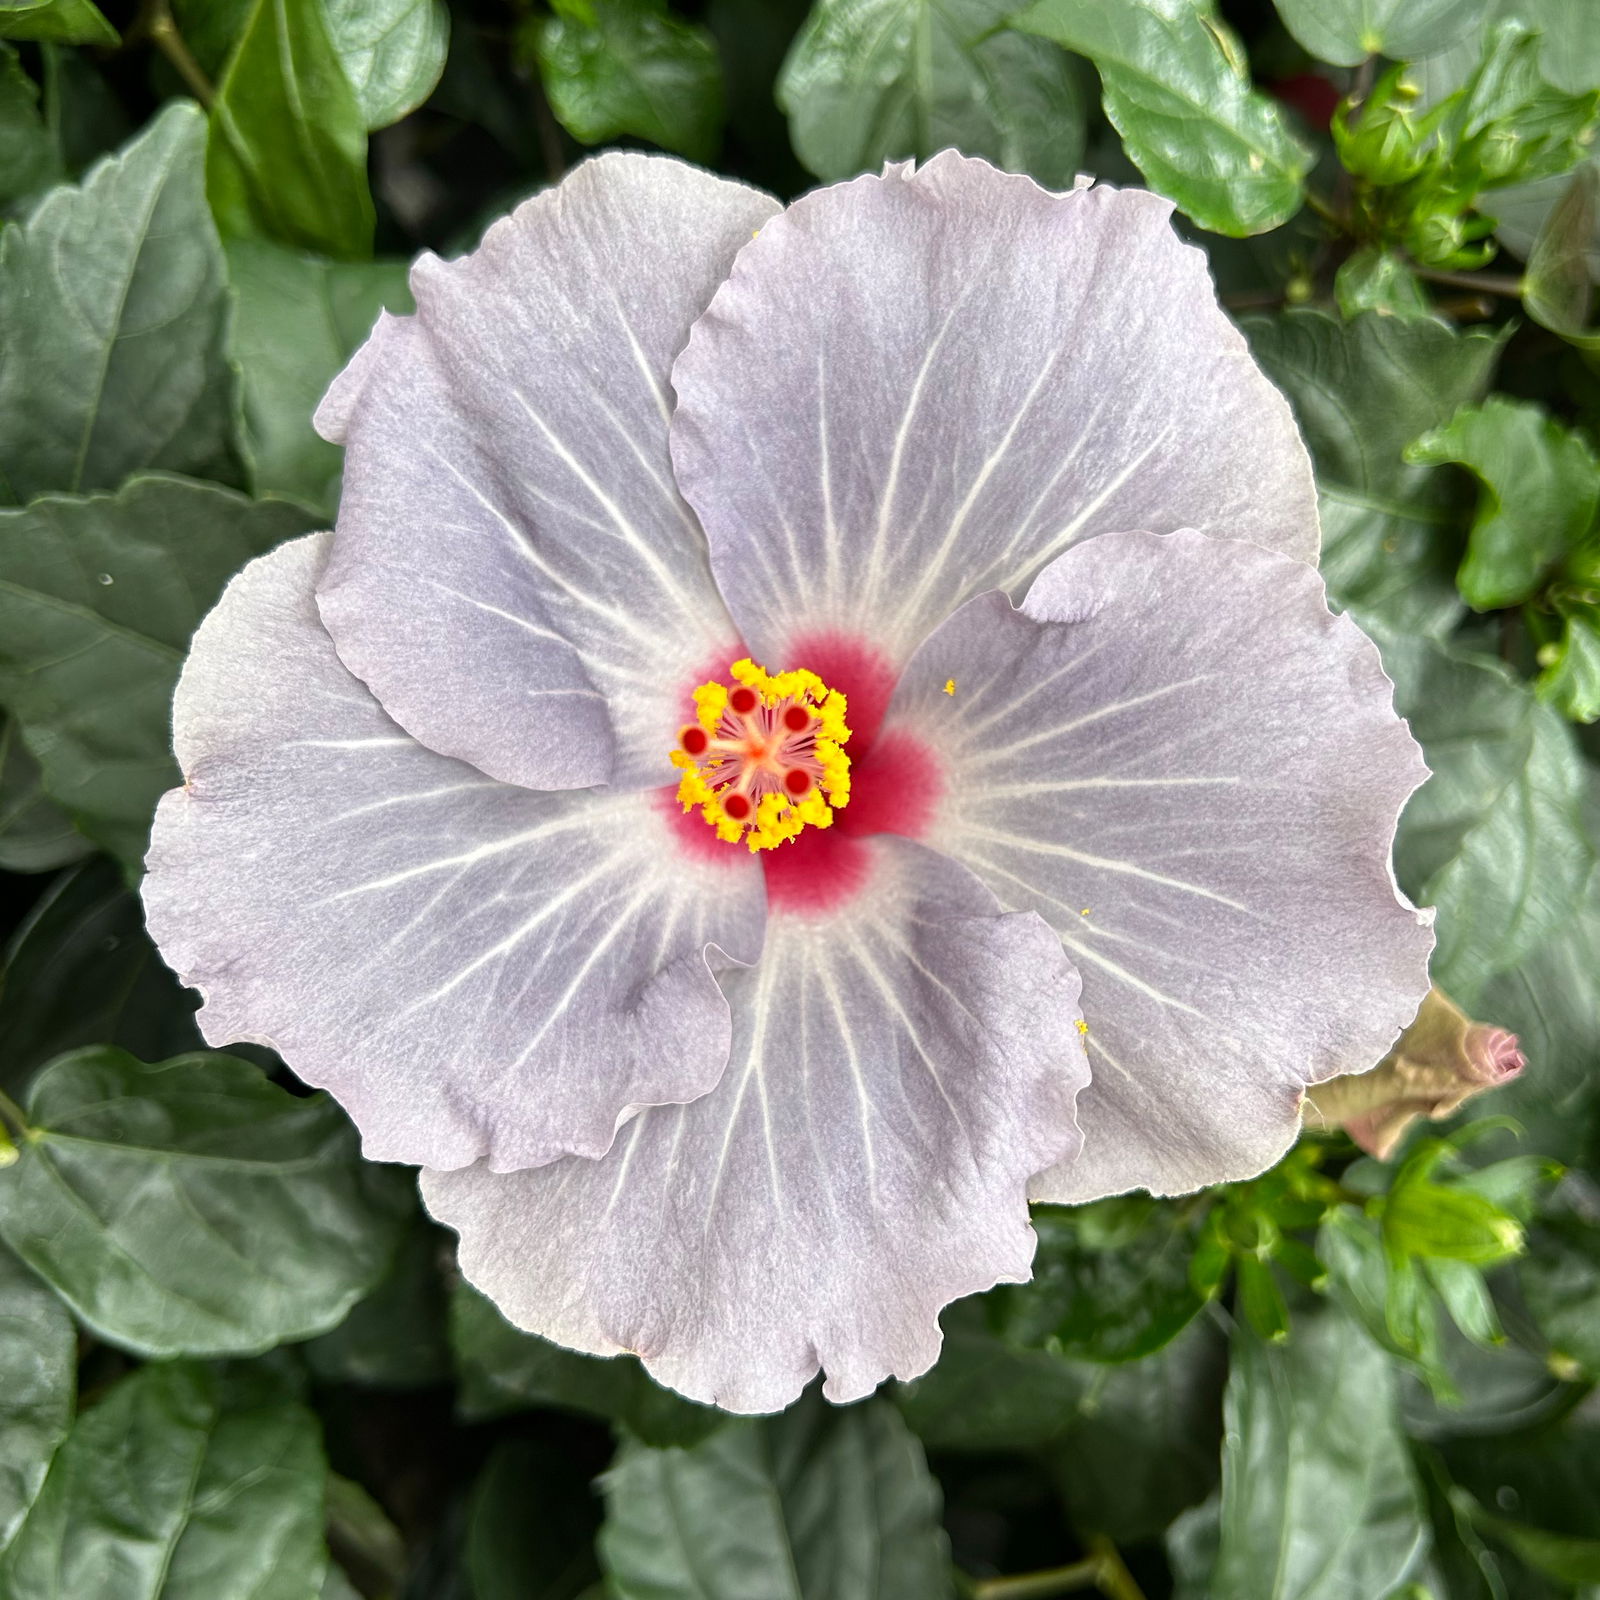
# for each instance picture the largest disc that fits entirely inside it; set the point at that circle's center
(477, 971)
(900, 1069)
(515, 575)
(916, 387)
(1182, 760)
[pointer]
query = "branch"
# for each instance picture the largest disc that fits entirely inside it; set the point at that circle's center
(159, 27)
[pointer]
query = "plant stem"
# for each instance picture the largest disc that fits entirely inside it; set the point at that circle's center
(11, 1112)
(1501, 283)
(1102, 1569)
(162, 32)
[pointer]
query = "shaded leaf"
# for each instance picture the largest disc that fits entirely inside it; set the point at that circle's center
(1319, 1499)
(392, 51)
(29, 158)
(113, 320)
(1495, 838)
(193, 1207)
(818, 1503)
(38, 1363)
(1558, 285)
(1560, 1281)
(165, 1490)
(869, 81)
(36, 835)
(297, 321)
(613, 67)
(56, 22)
(530, 1526)
(287, 156)
(81, 970)
(502, 1369)
(1362, 391)
(1176, 87)
(98, 598)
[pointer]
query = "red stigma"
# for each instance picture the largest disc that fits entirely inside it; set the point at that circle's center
(736, 806)
(694, 741)
(796, 781)
(742, 700)
(797, 719)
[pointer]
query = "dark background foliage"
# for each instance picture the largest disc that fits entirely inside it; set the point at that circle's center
(236, 1360)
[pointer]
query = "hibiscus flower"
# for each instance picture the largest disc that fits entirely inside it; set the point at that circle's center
(768, 658)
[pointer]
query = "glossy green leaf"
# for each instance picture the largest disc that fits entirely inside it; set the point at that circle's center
(287, 157)
(171, 1488)
(36, 835)
(1177, 88)
(1346, 32)
(81, 970)
(29, 157)
(1540, 492)
(297, 321)
(818, 1503)
(1160, 1421)
(1362, 391)
(1569, 658)
(395, 1338)
(193, 1207)
(98, 599)
(113, 321)
(1111, 1281)
(984, 1393)
(869, 81)
(613, 67)
(392, 51)
(501, 1369)
(531, 1523)
(1374, 279)
(1319, 1499)
(1496, 838)
(55, 22)
(38, 1363)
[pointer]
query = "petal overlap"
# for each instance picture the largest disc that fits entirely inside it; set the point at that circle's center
(916, 387)
(900, 1068)
(1182, 760)
(515, 575)
(477, 971)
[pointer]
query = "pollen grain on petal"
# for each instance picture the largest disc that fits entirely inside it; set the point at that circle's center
(764, 758)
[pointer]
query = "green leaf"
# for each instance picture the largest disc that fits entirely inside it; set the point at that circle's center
(1319, 1499)
(501, 1369)
(1538, 1492)
(396, 1337)
(1346, 32)
(818, 1503)
(29, 159)
(193, 1207)
(1432, 1219)
(1539, 497)
(98, 599)
(613, 67)
(1375, 279)
(81, 970)
(1160, 1421)
(1111, 1281)
(1560, 1281)
(1177, 88)
(1495, 838)
(1569, 652)
(1362, 391)
(297, 321)
(287, 156)
(165, 1491)
(869, 81)
(113, 321)
(38, 1365)
(986, 1394)
(56, 22)
(1558, 285)
(392, 51)
(530, 1526)
(36, 835)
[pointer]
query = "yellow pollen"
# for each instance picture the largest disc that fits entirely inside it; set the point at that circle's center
(949, 685)
(1083, 1027)
(760, 773)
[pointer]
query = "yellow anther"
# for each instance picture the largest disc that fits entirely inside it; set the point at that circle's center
(949, 685)
(1083, 1027)
(757, 772)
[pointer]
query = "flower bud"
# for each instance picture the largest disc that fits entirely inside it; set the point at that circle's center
(1441, 1060)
